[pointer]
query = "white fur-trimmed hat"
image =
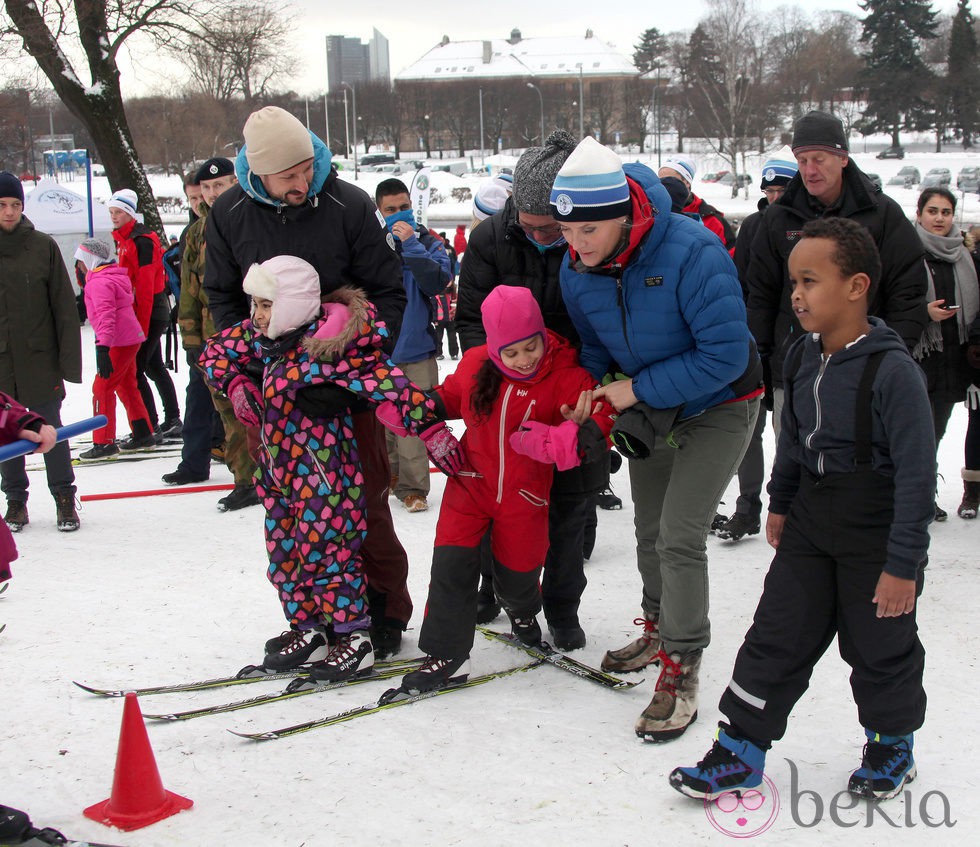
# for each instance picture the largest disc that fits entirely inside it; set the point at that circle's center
(293, 286)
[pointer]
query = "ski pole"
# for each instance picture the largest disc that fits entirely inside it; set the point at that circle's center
(153, 492)
(21, 447)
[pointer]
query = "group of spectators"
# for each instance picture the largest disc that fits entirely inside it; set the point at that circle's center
(687, 347)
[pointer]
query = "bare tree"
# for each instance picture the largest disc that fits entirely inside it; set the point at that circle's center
(100, 28)
(729, 94)
(241, 50)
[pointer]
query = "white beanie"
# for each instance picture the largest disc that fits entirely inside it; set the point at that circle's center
(126, 200)
(683, 166)
(293, 286)
(275, 140)
(591, 185)
(491, 196)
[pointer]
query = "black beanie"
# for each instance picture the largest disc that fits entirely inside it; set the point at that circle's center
(10, 186)
(214, 168)
(819, 131)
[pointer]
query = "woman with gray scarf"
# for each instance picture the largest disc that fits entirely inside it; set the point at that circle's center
(954, 302)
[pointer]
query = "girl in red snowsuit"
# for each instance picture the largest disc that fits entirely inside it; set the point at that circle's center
(513, 395)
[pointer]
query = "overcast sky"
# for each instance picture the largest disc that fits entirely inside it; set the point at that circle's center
(414, 28)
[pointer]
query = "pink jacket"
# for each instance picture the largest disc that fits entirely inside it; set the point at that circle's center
(109, 302)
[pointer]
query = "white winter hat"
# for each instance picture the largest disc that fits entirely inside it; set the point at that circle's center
(682, 166)
(491, 196)
(126, 200)
(293, 286)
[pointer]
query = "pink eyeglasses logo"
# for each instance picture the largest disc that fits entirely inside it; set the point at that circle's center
(744, 814)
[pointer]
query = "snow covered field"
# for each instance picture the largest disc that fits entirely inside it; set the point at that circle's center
(168, 589)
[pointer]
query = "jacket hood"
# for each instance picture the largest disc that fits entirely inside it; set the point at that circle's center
(362, 319)
(511, 314)
(880, 337)
(252, 184)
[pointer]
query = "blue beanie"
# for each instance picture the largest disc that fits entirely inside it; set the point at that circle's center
(777, 172)
(10, 186)
(591, 185)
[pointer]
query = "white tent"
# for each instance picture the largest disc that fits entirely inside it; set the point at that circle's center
(63, 214)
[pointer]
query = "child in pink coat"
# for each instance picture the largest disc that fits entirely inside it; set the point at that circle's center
(118, 336)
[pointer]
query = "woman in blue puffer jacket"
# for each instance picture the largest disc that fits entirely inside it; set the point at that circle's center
(657, 302)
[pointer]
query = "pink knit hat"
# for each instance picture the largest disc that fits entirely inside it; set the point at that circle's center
(292, 285)
(511, 314)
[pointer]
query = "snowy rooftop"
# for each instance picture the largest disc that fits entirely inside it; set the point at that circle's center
(519, 57)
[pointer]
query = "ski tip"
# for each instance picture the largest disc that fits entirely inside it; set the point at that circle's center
(102, 692)
(254, 736)
(171, 717)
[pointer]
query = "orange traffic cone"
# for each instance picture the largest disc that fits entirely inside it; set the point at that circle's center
(138, 796)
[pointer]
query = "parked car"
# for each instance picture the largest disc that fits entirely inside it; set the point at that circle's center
(968, 179)
(937, 178)
(904, 180)
(727, 178)
(377, 159)
(897, 152)
(711, 177)
(875, 180)
(911, 171)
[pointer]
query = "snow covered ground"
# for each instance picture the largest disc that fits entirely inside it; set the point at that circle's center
(167, 589)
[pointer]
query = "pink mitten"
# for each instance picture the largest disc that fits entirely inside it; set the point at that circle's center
(246, 401)
(336, 316)
(556, 445)
(444, 450)
(391, 420)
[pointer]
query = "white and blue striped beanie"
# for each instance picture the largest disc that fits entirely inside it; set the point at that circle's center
(777, 172)
(591, 185)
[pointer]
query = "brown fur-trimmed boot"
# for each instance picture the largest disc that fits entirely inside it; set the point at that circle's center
(971, 494)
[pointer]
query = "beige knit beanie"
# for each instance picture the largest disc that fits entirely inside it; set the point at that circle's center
(275, 140)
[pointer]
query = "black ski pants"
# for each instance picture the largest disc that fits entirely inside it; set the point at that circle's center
(820, 583)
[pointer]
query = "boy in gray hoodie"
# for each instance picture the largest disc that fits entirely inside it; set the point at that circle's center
(850, 501)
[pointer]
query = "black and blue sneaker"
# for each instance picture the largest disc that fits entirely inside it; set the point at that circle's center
(886, 766)
(732, 765)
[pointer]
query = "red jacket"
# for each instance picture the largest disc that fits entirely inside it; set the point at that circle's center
(560, 379)
(138, 251)
(713, 220)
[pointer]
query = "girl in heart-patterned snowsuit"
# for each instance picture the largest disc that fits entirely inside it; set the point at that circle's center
(309, 474)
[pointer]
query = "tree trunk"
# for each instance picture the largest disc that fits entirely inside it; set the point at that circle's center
(99, 107)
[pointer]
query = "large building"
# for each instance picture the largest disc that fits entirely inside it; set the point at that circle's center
(522, 84)
(350, 60)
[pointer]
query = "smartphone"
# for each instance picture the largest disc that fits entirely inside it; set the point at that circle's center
(951, 308)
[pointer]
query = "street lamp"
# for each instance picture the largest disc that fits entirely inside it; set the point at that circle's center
(541, 102)
(581, 104)
(482, 161)
(353, 94)
(657, 95)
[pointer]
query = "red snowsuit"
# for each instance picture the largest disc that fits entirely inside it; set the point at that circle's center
(498, 487)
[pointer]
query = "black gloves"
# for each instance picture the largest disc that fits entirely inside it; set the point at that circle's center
(328, 401)
(103, 363)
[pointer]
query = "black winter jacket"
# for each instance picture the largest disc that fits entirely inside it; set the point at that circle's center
(339, 232)
(900, 299)
(499, 253)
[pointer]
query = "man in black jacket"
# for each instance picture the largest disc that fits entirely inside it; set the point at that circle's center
(523, 246)
(290, 201)
(828, 183)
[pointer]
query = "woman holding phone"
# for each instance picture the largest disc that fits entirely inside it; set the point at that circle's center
(953, 300)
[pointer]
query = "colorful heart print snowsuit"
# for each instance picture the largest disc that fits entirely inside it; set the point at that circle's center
(309, 474)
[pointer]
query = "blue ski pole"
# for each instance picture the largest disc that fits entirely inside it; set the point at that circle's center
(21, 447)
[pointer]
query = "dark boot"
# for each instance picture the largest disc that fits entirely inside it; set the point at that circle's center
(141, 438)
(971, 494)
(67, 516)
(16, 517)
